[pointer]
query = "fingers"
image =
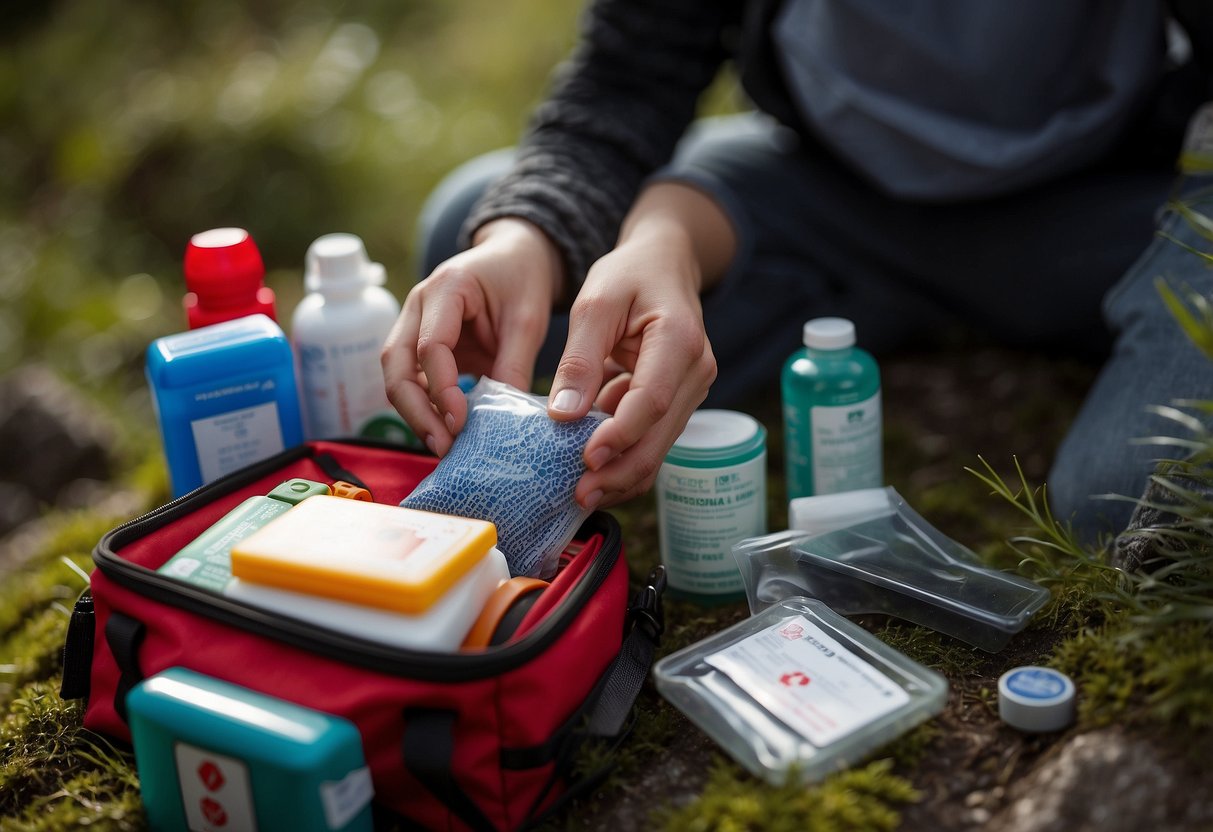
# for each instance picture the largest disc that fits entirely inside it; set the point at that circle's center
(419, 367)
(673, 372)
(593, 332)
(439, 332)
(483, 311)
(522, 333)
(403, 380)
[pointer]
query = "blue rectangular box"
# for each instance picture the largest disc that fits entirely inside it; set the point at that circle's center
(225, 397)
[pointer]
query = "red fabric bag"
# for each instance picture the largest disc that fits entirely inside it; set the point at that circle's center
(477, 740)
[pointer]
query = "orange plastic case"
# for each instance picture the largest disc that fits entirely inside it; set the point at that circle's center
(367, 553)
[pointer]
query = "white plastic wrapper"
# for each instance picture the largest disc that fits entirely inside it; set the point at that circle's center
(516, 467)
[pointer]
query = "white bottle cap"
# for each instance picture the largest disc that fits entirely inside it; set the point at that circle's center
(829, 333)
(339, 261)
(1036, 699)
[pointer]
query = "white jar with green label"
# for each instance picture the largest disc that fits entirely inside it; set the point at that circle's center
(711, 493)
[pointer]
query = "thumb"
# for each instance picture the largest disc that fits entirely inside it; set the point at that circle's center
(579, 374)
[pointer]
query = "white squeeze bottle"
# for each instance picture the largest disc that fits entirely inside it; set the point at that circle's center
(338, 330)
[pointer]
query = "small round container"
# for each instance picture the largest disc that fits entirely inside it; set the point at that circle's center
(711, 493)
(1036, 699)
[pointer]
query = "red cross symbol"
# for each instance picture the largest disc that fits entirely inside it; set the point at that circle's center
(211, 776)
(794, 679)
(213, 811)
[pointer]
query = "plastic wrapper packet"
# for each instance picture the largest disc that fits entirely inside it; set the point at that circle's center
(516, 467)
(868, 551)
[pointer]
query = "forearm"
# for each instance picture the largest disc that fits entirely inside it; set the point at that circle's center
(684, 219)
(614, 115)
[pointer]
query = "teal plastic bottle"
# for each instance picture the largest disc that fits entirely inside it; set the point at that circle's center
(831, 413)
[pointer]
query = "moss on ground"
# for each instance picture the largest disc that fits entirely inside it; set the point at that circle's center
(865, 798)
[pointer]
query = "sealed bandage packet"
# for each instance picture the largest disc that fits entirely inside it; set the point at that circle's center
(799, 688)
(516, 467)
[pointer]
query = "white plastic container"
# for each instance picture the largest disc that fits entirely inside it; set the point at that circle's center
(711, 493)
(440, 628)
(337, 331)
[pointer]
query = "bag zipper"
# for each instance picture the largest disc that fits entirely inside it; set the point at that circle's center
(414, 664)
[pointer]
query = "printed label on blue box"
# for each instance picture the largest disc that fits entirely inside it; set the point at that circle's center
(232, 440)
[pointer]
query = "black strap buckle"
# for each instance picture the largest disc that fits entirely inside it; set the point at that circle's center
(645, 610)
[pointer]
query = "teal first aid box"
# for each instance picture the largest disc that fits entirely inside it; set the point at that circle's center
(213, 756)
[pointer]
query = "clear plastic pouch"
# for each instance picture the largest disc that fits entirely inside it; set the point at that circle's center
(516, 467)
(867, 551)
(799, 686)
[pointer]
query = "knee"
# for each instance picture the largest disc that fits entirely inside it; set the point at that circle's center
(436, 236)
(1091, 490)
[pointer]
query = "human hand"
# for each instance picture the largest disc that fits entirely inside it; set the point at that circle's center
(484, 311)
(638, 315)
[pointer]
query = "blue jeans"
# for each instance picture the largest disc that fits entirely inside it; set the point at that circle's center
(1066, 266)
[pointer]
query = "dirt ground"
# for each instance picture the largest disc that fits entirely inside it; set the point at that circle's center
(943, 410)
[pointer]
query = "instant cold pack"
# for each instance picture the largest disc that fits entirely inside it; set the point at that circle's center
(516, 467)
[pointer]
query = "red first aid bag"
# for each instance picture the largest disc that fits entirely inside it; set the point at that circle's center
(454, 740)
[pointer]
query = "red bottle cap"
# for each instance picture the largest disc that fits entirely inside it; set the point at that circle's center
(225, 277)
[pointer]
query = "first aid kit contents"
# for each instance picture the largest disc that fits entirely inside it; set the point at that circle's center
(868, 551)
(396, 576)
(213, 755)
(517, 468)
(224, 396)
(382, 556)
(364, 604)
(206, 560)
(797, 685)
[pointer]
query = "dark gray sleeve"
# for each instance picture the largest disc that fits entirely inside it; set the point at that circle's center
(617, 108)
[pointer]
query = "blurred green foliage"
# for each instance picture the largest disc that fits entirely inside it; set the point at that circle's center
(130, 126)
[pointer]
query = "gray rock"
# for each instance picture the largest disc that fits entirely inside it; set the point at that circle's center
(1110, 781)
(52, 437)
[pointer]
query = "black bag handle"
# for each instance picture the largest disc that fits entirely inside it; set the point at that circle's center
(611, 702)
(428, 750)
(625, 678)
(429, 734)
(124, 635)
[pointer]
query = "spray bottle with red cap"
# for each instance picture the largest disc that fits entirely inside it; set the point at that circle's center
(225, 278)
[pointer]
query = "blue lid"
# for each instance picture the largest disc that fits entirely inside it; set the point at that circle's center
(243, 344)
(1039, 683)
